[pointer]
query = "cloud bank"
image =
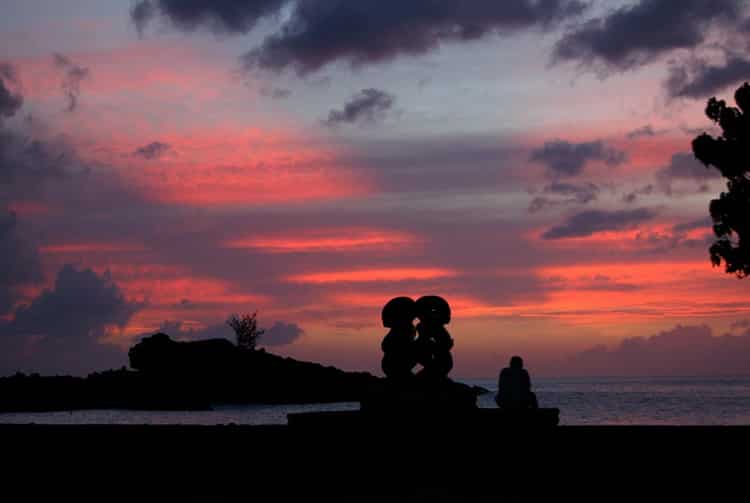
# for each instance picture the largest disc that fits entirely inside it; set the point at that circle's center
(638, 34)
(588, 223)
(63, 329)
(565, 159)
(681, 351)
(634, 35)
(321, 32)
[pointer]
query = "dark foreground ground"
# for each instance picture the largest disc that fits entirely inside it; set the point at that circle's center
(440, 461)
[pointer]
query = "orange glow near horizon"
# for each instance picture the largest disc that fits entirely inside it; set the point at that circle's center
(247, 189)
(372, 275)
(226, 167)
(325, 241)
(193, 289)
(593, 293)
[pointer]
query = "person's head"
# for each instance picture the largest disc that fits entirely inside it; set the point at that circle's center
(516, 362)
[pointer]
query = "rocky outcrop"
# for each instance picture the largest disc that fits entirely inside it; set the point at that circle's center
(171, 375)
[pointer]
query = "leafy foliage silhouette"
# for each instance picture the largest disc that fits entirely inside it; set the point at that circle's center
(730, 154)
(246, 330)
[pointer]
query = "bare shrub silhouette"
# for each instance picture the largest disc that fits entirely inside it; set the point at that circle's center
(246, 330)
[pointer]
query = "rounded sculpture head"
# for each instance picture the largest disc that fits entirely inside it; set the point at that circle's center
(399, 311)
(432, 308)
(742, 97)
(516, 362)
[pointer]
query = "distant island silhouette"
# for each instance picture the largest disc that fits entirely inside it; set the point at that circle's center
(171, 375)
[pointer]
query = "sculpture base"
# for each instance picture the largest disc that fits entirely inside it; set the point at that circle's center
(420, 395)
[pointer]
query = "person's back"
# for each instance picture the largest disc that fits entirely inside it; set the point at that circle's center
(514, 387)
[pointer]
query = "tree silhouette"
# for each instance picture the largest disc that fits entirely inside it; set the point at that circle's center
(730, 154)
(245, 330)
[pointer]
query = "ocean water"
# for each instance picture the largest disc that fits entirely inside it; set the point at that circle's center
(643, 401)
(605, 401)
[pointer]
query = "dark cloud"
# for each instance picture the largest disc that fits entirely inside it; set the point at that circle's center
(568, 194)
(677, 237)
(563, 158)
(644, 131)
(540, 203)
(20, 264)
(368, 106)
(691, 225)
(681, 351)
(153, 150)
(73, 76)
(639, 33)
(702, 80)
(584, 193)
(63, 329)
(10, 102)
(632, 197)
(8, 72)
(81, 304)
(699, 130)
(685, 167)
(25, 164)
(227, 16)
(320, 32)
(591, 222)
(740, 324)
(281, 334)
(142, 13)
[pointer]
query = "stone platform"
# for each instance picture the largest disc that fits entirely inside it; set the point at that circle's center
(477, 419)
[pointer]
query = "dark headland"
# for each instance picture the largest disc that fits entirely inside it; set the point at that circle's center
(171, 375)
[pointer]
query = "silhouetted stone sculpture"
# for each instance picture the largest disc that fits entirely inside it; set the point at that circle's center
(434, 343)
(431, 388)
(514, 387)
(399, 351)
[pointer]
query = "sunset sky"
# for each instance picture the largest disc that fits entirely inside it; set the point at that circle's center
(165, 163)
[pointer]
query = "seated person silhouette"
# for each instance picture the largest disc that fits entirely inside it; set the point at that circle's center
(399, 349)
(514, 387)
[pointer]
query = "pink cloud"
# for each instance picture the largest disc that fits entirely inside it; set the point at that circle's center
(326, 241)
